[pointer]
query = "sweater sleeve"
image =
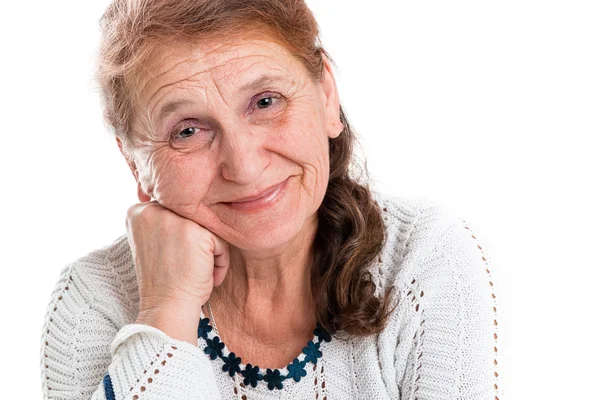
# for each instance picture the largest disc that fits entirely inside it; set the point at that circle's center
(87, 352)
(148, 364)
(450, 348)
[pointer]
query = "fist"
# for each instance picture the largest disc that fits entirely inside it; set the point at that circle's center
(177, 261)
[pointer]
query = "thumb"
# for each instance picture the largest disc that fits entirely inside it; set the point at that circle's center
(143, 197)
(221, 263)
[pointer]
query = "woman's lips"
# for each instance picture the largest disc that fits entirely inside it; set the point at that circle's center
(267, 199)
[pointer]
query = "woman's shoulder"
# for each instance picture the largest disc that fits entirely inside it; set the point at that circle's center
(425, 238)
(102, 279)
(412, 226)
(93, 297)
(446, 309)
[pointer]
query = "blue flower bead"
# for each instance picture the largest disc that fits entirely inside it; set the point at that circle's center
(312, 352)
(252, 375)
(232, 364)
(296, 369)
(214, 348)
(321, 333)
(274, 379)
(204, 328)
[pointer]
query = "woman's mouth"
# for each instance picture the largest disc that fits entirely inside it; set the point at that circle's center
(267, 199)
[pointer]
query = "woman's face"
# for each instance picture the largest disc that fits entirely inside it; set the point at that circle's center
(225, 122)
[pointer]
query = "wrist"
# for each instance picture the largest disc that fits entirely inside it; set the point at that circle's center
(177, 323)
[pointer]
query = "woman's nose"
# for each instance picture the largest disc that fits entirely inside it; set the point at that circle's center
(242, 156)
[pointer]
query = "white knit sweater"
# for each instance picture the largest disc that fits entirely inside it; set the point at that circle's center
(440, 343)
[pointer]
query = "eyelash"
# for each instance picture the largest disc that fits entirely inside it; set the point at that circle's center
(262, 96)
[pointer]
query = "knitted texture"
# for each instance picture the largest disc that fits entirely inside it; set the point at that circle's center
(441, 342)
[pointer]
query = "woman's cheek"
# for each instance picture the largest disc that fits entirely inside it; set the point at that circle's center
(158, 173)
(294, 127)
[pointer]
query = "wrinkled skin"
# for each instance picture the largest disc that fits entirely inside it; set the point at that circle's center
(219, 144)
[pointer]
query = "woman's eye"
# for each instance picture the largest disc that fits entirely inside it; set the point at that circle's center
(266, 102)
(187, 132)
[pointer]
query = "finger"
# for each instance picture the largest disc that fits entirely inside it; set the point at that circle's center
(219, 274)
(143, 197)
(221, 261)
(221, 251)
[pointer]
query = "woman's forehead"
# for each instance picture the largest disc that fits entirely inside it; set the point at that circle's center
(207, 62)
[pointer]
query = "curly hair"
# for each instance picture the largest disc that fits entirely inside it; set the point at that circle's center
(351, 232)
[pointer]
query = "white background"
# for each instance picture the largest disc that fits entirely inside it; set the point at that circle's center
(491, 108)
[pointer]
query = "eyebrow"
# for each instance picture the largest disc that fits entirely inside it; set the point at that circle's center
(261, 81)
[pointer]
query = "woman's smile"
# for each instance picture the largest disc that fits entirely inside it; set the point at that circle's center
(264, 200)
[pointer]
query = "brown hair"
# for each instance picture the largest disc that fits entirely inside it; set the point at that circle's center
(351, 232)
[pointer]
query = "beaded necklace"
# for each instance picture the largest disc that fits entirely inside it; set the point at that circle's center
(273, 378)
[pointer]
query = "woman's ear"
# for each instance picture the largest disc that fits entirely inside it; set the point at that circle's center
(332, 101)
(142, 196)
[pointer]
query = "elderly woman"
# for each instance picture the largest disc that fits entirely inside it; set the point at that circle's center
(256, 265)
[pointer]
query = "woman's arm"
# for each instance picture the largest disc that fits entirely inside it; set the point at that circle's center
(88, 353)
(452, 349)
(163, 368)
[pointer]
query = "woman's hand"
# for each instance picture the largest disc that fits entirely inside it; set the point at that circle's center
(178, 263)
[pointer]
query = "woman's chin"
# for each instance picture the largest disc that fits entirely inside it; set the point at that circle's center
(272, 235)
(265, 236)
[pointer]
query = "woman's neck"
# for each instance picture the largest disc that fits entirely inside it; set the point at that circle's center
(269, 297)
